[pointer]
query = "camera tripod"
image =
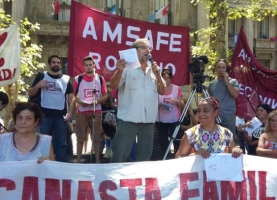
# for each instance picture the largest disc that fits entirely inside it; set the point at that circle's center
(196, 88)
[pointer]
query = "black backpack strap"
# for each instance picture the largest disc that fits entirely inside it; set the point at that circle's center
(100, 78)
(80, 78)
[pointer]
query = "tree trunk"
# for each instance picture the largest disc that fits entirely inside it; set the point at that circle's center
(11, 91)
(219, 40)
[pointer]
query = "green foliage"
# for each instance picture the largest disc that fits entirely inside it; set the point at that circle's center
(203, 45)
(30, 53)
(30, 59)
(205, 38)
(254, 9)
(251, 9)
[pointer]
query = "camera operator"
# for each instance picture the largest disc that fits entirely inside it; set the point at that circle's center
(226, 90)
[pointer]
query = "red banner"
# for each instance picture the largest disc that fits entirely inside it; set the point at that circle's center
(101, 35)
(257, 84)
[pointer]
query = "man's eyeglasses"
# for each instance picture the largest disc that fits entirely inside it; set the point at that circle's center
(145, 47)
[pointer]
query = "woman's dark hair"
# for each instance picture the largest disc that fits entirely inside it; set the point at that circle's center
(27, 106)
(265, 107)
(4, 98)
(214, 102)
(167, 71)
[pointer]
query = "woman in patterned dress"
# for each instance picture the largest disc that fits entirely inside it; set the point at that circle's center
(267, 146)
(208, 137)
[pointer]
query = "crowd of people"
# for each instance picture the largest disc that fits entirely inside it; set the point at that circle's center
(145, 98)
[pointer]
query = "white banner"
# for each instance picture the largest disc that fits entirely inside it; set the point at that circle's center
(9, 55)
(175, 179)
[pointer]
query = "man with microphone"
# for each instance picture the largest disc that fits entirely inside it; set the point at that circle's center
(89, 92)
(138, 90)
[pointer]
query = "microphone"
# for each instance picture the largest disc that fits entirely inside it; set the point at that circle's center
(94, 83)
(150, 58)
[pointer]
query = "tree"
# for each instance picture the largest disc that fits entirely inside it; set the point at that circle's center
(211, 41)
(30, 60)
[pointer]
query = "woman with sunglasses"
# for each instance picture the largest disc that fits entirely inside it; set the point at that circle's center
(169, 111)
(267, 146)
(207, 137)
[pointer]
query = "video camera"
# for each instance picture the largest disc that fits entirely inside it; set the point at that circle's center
(197, 66)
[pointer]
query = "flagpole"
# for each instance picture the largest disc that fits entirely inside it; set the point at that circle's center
(117, 7)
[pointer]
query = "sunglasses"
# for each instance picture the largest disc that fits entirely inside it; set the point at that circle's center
(221, 60)
(167, 71)
(211, 100)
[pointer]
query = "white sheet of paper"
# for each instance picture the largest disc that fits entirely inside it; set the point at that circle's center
(87, 101)
(239, 121)
(223, 167)
(131, 58)
(255, 123)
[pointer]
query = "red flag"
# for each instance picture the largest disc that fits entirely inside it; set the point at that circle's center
(273, 39)
(257, 84)
(159, 14)
(102, 35)
(55, 7)
(165, 10)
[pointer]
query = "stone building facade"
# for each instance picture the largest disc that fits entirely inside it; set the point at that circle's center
(54, 30)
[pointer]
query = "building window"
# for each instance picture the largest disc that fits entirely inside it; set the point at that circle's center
(64, 65)
(64, 14)
(7, 7)
(263, 29)
(158, 5)
(231, 28)
(265, 63)
(111, 3)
